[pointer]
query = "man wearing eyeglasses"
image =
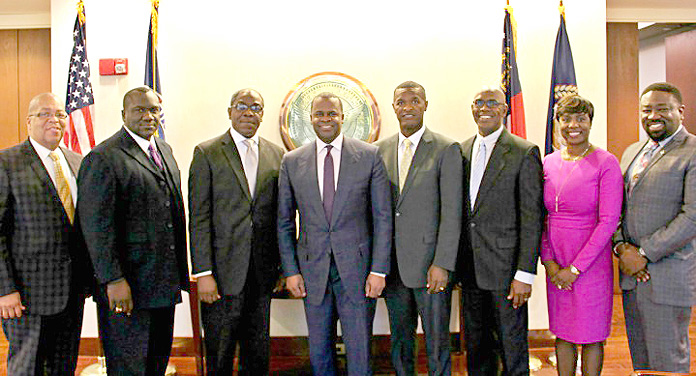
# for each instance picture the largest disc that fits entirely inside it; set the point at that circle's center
(44, 269)
(233, 197)
(132, 217)
(499, 249)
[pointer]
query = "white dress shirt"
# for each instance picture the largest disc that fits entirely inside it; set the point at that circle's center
(50, 167)
(490, 142)
(337, 144)
(143, 143)
(242, 148)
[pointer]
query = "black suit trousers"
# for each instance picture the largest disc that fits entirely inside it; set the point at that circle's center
(404, 306)
(45, 344)
(495, 334)
(243, 319)
(135, 345)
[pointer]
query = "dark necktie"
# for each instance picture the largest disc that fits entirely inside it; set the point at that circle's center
(329, 189)
(154, 155)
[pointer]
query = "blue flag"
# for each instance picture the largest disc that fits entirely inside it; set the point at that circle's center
(562, 83)
(152, 78)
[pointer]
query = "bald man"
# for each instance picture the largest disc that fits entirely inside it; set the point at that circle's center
(44, 270)
(132, 217)
(499, 249)
(233, 203)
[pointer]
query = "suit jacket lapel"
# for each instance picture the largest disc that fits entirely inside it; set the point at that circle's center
(169, 165)
(131, 148)
(73, 162)
(467, 147)
(229, 148)
(495, 166)
(41, 173)
(391, 163)
(349, 159)
(39, 168)
(308, 165)
(675, 142)
(264, 165)
(423, 150)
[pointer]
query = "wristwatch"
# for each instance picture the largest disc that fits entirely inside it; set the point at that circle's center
(574, 270)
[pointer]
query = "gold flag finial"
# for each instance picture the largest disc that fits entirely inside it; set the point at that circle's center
(561, 8)
(81, 11)
(154, 20)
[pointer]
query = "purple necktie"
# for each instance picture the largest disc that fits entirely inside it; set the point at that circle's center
(155, 156)
(329, 189)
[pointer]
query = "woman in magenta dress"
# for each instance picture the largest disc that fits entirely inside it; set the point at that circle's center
(583, 192)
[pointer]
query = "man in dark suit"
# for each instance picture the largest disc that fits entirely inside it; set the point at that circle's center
(132, 218)
(656, 242)
(44, 269)
(339, 187)
(425, 172)
(499, 250)
(233, 198)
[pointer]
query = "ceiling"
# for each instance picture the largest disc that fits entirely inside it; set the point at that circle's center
(44, 6)
(25, 6)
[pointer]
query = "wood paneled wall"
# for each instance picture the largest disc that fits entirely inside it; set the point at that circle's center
(680, 52)
(622, 86)
(25, 70)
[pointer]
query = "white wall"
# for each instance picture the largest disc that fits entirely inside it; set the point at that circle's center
(209, 50)
(652, 67)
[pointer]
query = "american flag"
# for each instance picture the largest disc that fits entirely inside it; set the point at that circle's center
(79, 101)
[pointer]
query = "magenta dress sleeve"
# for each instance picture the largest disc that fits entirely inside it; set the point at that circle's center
(610, 201)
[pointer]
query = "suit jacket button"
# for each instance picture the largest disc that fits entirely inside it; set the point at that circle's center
(472, 224)
(169, 225)
(398, 214)
(172, 247)
(167, 204)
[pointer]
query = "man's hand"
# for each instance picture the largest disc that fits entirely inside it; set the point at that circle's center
(207, 289)
(630, 260)
(374, 286)
(643, 275)
(564, 279)
(11, 306)
(295, 284)
(119, 294)
(437, 279)
(519, 293)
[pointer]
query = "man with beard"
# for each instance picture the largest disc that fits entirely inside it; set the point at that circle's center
(657, 236)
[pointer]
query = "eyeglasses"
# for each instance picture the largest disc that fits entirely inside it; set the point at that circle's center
(46, 115)
(243, 107)
(491, 103)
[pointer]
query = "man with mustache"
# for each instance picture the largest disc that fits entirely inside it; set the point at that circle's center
(132, 217)
(44, 268)
(656, 240)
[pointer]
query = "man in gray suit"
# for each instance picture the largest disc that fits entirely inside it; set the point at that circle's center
(425, 173)
(499, 250)
(340, 189)
(233, 197)
(44, 268)
(657, 237)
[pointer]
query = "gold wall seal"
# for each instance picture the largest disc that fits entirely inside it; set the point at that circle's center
(362, 118)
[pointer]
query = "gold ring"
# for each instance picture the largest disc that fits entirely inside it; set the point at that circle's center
(118, 309)
(442, 289)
